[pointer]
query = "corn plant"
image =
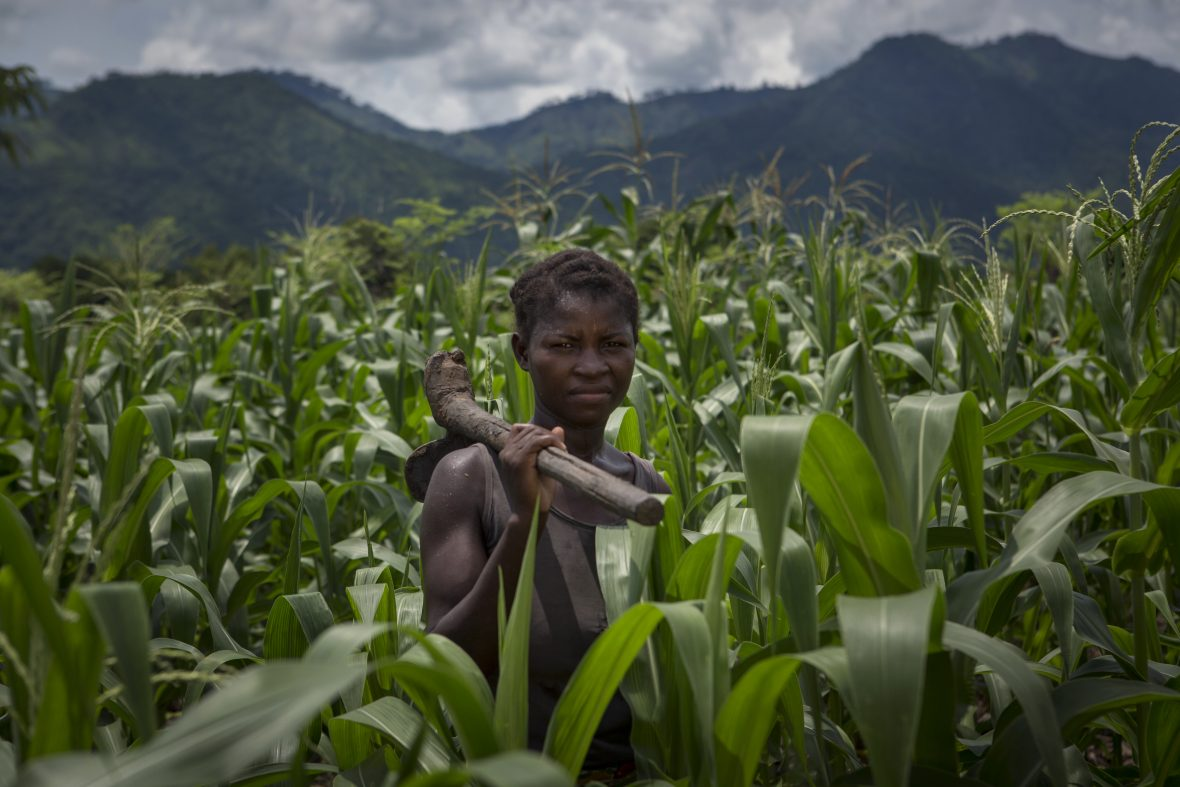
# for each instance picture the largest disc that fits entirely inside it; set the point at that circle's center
(922, 529)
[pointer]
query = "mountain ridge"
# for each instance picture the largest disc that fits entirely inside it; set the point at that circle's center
(234, 156)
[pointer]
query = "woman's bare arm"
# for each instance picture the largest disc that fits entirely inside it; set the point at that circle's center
(461, 581)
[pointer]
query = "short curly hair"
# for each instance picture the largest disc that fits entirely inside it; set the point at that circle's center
(578, 271)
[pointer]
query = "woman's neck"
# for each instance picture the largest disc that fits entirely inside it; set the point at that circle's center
(584, 443)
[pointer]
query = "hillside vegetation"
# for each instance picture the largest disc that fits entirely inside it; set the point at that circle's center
(232, 158)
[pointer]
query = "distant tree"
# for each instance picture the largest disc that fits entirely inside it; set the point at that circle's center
(1040, 224)
(16, 287)
(18, 93)
(233, 272)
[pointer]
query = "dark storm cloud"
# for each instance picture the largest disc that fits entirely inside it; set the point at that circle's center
(458, 63)
(318, 30)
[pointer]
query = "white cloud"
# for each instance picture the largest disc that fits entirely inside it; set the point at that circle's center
(467, 62)
(460, 63)
(832, 32)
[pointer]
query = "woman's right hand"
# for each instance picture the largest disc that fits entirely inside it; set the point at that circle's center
(523, 483)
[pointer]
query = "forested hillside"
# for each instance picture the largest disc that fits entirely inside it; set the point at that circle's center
(231, 158)
(234, 157)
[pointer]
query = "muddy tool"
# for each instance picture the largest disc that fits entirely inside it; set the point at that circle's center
(452, 401)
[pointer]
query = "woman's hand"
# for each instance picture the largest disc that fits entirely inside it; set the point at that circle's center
(523, 483)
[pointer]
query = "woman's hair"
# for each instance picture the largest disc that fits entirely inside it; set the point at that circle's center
(573, 271)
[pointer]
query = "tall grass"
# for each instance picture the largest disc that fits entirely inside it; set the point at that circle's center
(923, 529)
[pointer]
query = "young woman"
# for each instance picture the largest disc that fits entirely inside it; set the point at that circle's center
(576, 327)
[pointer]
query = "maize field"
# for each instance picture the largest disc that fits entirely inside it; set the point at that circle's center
(924, 527)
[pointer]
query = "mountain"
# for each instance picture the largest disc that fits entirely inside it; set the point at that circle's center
(965, 129)
(584, 124)
(234, 157)
(960, 128)
(230, 157)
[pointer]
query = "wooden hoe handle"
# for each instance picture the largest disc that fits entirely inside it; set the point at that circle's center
(449, 392)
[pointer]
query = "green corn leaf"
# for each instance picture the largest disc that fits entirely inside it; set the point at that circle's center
(36, 319)
(797, 590)
(209, 665)
(293, 565)
(875, 429)
(518, 385)
(699, 639)
(622, 430)
(1162, 258)
(840, 476)
(936, 747)
(799, 309)
(886, 640)
(691, 577)
(1050, 462)
(771, 450)
(218, 738)
(1160, 601)
(119, 610)
(1036, 537)
(1091, 625)
(306, 493)
(127, 441)
(16, 623)
(7, 764)
(377, 604)
(1159, 391)
(309, 369)
(1160, 748)
(511, 713)
(718, 326)
(623, 558)
(1056, 586)
(1116, 343)
(438, 669)
(931, 426)
(396, 721)
(1025, 413)
(221, 637)
(952, 537)
(589, 690)
(1075, 702)
(1010, 664)
(130, 539)
(744, 720)
(20, 558)
(293, 624)
(909, 356)
(510, 769)
(360, 549)
(836, 373)
(66, 711)
(977, 350)
(637, 398)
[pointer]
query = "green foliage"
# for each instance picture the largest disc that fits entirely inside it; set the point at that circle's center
(921, 532)
(234, 156)
(16, 287)
(19, 94)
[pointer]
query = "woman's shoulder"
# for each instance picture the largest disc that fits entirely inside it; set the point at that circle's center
(464, 469)
(465, 463)
(468, 480)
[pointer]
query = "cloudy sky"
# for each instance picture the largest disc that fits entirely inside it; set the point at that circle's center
(455, 64)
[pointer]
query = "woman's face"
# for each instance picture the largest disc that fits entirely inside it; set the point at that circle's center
(581, 355)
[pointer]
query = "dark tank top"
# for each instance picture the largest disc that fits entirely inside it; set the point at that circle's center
(568, 611)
